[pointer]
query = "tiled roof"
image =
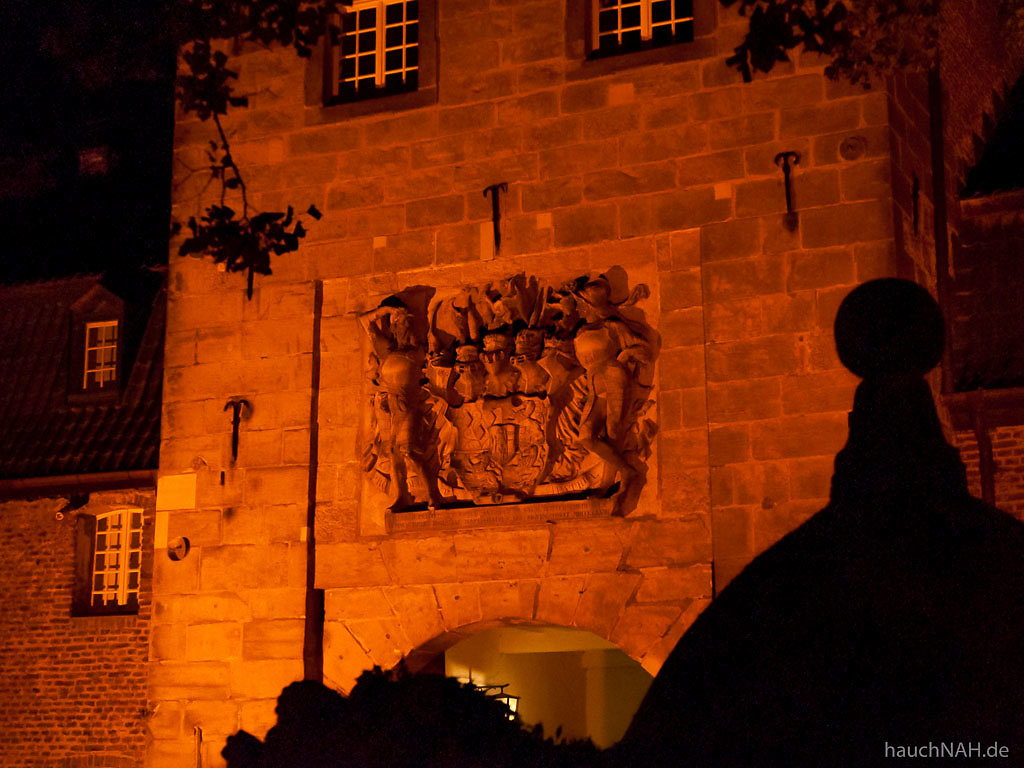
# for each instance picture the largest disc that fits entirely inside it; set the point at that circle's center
(999, 152)
(43, 431)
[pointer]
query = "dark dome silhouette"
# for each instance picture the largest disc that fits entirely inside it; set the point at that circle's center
(893, 617)
(889, 326)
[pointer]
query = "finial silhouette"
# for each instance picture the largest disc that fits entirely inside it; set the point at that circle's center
(890, 333)
(889, 327)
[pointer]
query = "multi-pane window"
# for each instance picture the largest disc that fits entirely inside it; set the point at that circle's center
(379, 48)
(100, 355)
(631, 25)
(117, 559)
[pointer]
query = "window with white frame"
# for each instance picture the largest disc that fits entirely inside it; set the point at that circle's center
(378, 51)
(621, 26)
(100, 355)
(116, 559)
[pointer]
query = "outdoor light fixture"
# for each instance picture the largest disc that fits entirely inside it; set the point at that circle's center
(498, 693)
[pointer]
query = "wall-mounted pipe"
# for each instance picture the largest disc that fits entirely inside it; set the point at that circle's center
(313, 637)
(64, 485)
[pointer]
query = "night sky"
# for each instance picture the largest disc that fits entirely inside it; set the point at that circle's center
(93, 77)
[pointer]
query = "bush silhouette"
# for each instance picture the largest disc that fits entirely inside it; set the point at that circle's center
(396, 720)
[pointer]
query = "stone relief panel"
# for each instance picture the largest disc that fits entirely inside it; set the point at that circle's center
(511, 391)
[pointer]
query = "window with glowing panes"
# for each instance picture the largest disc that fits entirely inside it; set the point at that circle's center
(378, 51)
(116, 559)
(100, 355)
(622, 26)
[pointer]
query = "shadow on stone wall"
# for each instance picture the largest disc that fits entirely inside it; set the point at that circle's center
(892, 620)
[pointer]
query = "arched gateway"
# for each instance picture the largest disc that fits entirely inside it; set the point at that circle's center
(569, 681)
(638, 612)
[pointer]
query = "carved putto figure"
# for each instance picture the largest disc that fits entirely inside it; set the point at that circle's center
(399, 403)
(518, 390)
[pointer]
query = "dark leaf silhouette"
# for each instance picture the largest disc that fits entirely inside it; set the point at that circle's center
(861, 37)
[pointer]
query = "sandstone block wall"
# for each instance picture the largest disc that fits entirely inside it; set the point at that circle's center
(72, 688)
(665, 169)
(228, 618)
(912, 182)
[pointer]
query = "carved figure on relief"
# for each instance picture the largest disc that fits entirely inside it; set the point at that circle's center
(399, 405)
(520, 390)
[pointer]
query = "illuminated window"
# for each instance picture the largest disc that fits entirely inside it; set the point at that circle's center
(378, 52)
(100, 355)
(116, 559)
(621, 26)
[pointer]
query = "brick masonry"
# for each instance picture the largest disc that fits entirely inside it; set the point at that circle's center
(1008, 460)
(73, 690)
(665, 169)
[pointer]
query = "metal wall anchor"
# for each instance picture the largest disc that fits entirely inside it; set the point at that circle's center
(236, 405)
(494, 189)
(786, 161)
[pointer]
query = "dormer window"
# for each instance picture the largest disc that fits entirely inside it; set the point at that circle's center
(100, 355)
(99, 346)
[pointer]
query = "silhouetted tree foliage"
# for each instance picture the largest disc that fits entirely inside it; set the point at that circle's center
(862, 37)
(238, 239)
(400, 720)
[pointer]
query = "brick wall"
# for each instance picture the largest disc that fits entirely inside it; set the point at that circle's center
(72, 689)
(1008, 458)
(665, 169)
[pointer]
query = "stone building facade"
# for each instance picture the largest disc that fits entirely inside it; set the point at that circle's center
(659, 167)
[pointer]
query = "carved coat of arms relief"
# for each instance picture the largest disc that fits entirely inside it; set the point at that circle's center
(511, 391)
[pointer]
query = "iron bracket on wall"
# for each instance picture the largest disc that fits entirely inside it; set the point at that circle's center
(786, 161)
(494, 189)
(236, 405)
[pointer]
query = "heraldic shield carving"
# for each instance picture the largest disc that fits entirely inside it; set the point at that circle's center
(511, 391)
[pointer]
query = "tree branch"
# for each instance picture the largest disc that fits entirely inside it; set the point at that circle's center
(229, 162)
